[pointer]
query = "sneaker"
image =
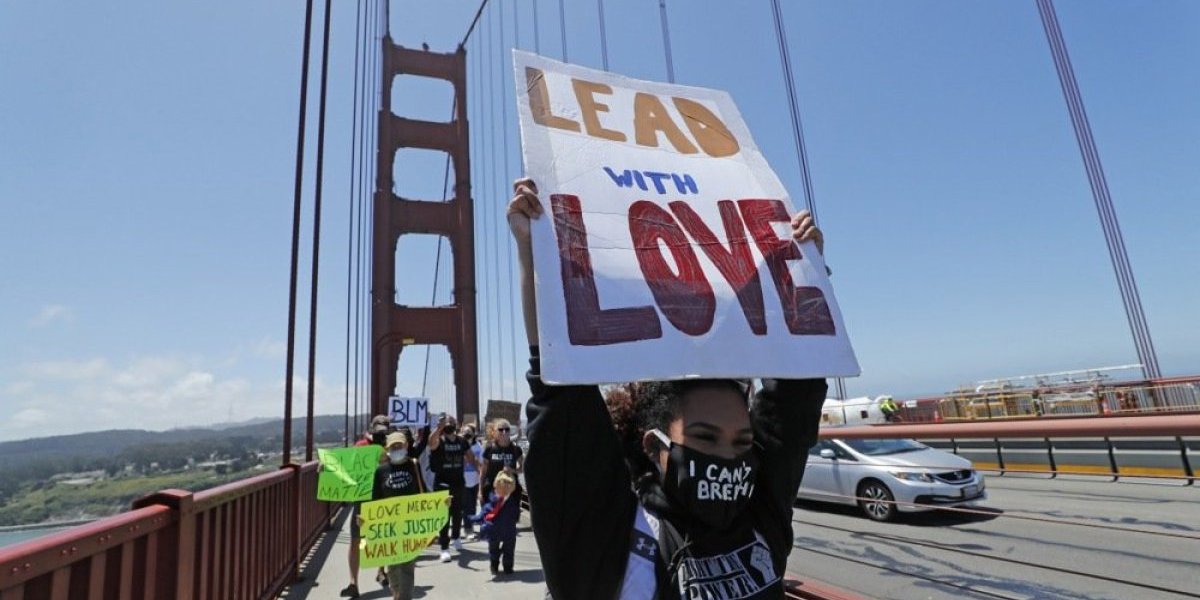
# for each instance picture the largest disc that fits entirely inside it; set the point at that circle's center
(445, 557)
(381, 579)
(508, 571)
(350, 591)
(495, 571)
(457, 545)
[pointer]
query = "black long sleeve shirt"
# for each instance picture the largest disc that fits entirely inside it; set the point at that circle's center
(583, 504)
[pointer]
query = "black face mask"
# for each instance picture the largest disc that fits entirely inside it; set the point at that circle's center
(713, 490)
(378, 438)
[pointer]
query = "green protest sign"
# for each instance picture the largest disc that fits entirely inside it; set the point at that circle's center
(347, 473)
(396, 530)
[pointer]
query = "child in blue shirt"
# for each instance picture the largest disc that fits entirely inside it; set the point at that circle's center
(498, 523)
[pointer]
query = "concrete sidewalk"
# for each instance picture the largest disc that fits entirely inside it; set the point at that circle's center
(326, 572)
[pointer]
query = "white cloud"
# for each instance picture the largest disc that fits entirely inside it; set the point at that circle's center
(271, 349)
(51, 313)
(67, 369)
(30, 417)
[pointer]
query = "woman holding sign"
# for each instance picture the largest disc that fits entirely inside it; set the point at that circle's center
(707, 513)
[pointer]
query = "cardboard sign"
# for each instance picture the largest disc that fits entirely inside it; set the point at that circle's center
(504, 409)
(396, 530)
(347, 474)
(406, 412)
(665, 249)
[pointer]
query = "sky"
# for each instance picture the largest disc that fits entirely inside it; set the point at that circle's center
(147, 156)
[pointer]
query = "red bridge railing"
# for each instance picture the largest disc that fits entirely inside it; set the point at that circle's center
(245, 539)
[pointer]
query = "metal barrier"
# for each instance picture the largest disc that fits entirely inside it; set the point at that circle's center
(1139, 446)
(1181, 394)
(240, 540)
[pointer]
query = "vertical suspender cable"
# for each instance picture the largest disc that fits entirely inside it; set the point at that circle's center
(291, 334)
(1118, 254)
(375, 404)
(562, 26)
(350, 217)
(537, 33)
(488, 199)
(514, 299)
(810, 201)
(316, 247)
(603, 35)
(496, 231)
(666, 36)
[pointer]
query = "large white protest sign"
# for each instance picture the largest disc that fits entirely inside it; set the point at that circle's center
(405, 412)
(665, 251)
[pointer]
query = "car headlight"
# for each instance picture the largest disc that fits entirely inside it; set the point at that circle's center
(912, 476)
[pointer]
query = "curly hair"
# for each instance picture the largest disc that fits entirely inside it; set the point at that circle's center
(636, 408)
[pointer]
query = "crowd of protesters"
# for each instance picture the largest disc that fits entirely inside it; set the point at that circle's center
(478, 474)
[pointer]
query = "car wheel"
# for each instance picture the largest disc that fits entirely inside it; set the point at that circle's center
(876, 500)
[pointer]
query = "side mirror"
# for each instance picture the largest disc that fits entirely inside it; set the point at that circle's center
(828, 453)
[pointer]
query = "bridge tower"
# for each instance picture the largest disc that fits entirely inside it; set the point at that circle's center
(393, 327)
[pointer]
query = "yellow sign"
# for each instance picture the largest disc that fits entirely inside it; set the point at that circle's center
(396, 530)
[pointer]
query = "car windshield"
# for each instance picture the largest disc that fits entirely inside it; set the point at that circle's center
(881, 447)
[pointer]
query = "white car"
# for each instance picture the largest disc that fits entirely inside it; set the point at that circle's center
(884, 477)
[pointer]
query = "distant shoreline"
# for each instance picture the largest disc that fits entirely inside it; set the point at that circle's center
(45, 525)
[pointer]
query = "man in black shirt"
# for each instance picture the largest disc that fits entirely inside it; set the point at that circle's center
(448, 452)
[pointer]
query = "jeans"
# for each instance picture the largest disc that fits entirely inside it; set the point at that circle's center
(402, 579)
(456, 517)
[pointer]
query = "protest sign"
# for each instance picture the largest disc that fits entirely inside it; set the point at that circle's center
(347, 473)
(665, 249)
(503, 409)
(405, 412)
(396, 530)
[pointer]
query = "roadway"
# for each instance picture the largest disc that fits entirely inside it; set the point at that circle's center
(925, 556)
(920, 557)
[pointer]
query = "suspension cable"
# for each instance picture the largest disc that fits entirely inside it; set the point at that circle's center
(506, 175)
(486, 208)
(562, 26)
(537, 34)
(291, 334)
(603, 35)
(666, 37)
(474, 21)
(509, 246)
(350, 217)
(316, 243)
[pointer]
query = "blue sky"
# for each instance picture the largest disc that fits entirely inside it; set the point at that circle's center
(147, 155)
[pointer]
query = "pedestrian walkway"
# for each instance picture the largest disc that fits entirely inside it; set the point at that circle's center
(325, 571)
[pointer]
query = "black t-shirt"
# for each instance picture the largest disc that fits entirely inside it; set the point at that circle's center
(447, 461)
(497, 457)
(396, 480)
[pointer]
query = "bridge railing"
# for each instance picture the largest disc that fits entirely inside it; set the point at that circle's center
(1162, 446)
(244, 539)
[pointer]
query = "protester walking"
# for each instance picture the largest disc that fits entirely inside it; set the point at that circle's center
(498, 523)
(448, 454)
(500, 455)
(376, 433)
(708, 511)
(399, 477)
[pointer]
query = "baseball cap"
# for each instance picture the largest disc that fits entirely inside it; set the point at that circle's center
(395, 438)
(379, 424)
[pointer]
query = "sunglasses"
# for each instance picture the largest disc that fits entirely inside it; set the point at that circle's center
(502, 429)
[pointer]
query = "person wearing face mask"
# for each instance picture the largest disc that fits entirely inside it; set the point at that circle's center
(376, 433)
(399, 476)
(448, 455)
(692, 499)
(471, 478)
